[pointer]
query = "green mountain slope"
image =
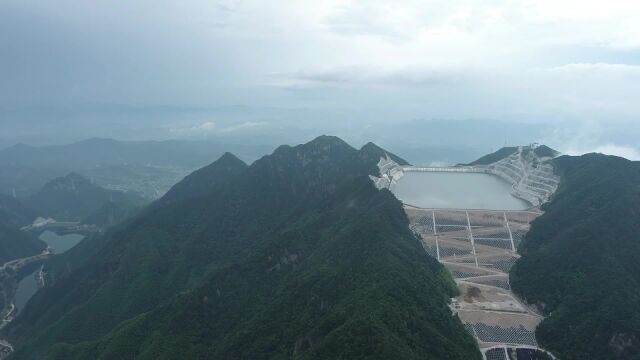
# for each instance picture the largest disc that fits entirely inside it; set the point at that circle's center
(201, 181)
(13, 242)
(495, 156)
(75, 198)
(299, 256)
(15, 212)
(580, 260)
(16, 244)
(130, 164)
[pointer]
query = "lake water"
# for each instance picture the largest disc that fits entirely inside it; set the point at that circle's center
(26, 288)
(456, 191)
(60, 243)
(28, 285)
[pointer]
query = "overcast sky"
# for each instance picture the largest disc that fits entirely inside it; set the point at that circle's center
(150, 68)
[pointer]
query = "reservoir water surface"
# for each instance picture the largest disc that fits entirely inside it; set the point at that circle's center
(447, 190)
(28, 285)
(60, 243)
(26, 288)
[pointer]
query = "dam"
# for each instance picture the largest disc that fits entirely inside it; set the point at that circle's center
(472, 220)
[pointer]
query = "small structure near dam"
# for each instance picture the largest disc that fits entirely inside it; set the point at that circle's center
(479, 245)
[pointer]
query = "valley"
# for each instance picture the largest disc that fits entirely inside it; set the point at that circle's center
(309, 248)
(31, 275)
(474, 228)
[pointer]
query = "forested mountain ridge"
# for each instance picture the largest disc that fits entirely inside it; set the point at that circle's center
(75, 198)
(15, 212)
(580, 260)
(299, 256)
(149, 168)
(203, 180)
(13, 242)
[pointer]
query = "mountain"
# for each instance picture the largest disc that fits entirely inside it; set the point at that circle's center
(545, 151)
(14, 243)
(74, 198)
(296, 256)
(112, 213)
(147, 167)
(98, 151)
(580, 263)
(15, 212)
(495, 156)
(201, 181)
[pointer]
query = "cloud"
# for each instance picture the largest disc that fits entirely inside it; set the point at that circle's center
(627, 152)
(352, 62)
(371, 75)
(208, 128)
(205, 126)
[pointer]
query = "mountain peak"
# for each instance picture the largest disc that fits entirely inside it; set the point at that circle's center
(228, 157)
(541, 151)
(204, 180)
(327, 140)
(372, 150)
(545, 151)
(72, 197)
(70, 182)
(75, 176)
(325, 144)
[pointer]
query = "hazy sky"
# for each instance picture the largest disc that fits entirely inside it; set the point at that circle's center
(149, 68)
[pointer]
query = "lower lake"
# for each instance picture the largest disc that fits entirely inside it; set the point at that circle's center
(60, 243)
(26, 288)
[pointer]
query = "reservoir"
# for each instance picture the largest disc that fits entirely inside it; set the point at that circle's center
(28, 285)
(26, 288)
(60, 243)
(446, 190)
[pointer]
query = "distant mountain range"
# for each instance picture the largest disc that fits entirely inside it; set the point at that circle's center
(74, 198)
(148, 167)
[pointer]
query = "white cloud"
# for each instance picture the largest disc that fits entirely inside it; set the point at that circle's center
(529, 60)
(207, 128)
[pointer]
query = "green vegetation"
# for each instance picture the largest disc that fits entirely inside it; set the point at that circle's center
(14, 212)
(203, 180)
(112, 213)
(580, 260)
(14, 243)
(545, 151)
(297, 256)
(147, 167)
(495, 156)
(75, 198)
